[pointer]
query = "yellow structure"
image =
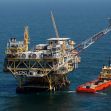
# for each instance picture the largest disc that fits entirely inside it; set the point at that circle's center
(14, 48)
(26, 39)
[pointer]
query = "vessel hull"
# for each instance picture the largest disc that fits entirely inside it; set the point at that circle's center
(98, 87)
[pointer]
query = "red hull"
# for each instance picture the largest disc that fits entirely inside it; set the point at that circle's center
(93, 86)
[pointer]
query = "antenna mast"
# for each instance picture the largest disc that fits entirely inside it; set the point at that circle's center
(54, 25)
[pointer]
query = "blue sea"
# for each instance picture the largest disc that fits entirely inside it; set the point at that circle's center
(77, 20)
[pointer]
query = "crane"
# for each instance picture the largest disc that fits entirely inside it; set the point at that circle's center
(54, 25)
(85, 44)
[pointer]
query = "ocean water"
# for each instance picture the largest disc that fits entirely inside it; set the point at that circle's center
(75, 19)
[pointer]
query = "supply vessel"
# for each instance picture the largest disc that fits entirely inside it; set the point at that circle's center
(101, 83)
(47, 66)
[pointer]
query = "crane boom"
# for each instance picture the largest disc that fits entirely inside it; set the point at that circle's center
(85, 44)
(54, 25)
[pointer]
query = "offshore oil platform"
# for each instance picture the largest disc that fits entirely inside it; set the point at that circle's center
(47, 66)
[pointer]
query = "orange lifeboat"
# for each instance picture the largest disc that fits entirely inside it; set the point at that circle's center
(94, 86)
